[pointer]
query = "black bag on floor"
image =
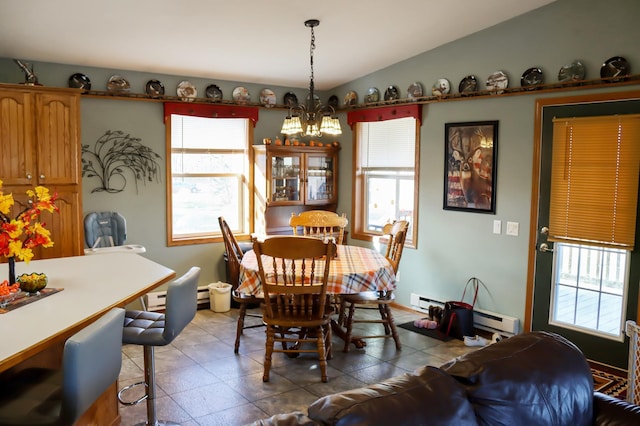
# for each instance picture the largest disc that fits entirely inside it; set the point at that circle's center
(457, 316)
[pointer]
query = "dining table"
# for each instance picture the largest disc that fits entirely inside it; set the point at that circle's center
(354, 269)
(80, 289)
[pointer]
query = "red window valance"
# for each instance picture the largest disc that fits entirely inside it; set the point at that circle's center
(211, 111)
(385, 113)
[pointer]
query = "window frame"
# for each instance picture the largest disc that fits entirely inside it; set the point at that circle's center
(212, 112)
(558, 309)
(359, 175)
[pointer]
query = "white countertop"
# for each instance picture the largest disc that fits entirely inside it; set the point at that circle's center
(92, 285)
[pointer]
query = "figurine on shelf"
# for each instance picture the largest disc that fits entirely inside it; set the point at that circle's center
(30, 77)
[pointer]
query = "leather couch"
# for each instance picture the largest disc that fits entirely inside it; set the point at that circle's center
(536, 378)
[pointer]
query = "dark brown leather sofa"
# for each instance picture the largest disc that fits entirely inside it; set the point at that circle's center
(531, 379)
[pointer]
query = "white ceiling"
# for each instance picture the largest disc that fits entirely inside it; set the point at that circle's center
(255, 41)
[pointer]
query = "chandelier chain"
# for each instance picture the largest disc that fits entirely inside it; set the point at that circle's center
(311, 49)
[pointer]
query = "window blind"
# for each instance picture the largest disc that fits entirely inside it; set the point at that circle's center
(387, 144)
(594, 180)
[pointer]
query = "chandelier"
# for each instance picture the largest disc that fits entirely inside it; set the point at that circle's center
(313, 118)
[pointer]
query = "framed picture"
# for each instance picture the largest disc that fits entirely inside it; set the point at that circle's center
(470, 166)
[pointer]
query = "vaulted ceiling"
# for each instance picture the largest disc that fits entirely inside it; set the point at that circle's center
(243, 40)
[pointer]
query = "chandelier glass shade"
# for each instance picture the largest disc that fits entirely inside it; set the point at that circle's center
(312, 118)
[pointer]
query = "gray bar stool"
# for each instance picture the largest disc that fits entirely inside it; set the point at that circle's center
(151, 329)
(91, 363)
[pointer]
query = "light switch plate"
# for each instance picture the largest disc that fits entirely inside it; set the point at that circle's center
(513, 228)
(497, 227)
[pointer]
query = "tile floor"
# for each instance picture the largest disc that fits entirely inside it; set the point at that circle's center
(200, 381)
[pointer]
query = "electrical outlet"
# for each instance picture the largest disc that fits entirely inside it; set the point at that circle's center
(513, 228)
(497, 227)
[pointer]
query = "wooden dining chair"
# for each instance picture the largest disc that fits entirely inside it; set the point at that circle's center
(294, 272)
(396, 233)
(319, 224)
(234, 257)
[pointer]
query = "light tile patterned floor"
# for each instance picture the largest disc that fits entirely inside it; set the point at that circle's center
(200, 381)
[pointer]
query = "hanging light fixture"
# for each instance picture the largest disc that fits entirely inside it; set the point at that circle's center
(313, 118)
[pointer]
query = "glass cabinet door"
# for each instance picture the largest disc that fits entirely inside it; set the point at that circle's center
(320, 179)
(285, 178)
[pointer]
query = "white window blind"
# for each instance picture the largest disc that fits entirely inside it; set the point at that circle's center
(388, 144)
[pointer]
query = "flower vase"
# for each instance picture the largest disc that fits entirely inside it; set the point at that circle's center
(12, 270)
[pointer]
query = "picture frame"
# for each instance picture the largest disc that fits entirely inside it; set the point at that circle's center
(470, 166)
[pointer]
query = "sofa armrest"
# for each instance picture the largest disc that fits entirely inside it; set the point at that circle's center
(431, 397)
(609, 411)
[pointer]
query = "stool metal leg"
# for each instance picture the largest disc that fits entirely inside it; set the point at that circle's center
(150, 379)
(150, 391)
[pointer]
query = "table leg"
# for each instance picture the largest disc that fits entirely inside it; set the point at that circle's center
(342, 334)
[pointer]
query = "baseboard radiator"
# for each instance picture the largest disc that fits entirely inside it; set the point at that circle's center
(157, 300)
(483, 319)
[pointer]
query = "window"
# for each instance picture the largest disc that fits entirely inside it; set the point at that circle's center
(592, 220)
(208, 165)
(590, 288)
(386, 173)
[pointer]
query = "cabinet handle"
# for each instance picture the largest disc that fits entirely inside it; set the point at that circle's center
(29, 176)
(41, 177)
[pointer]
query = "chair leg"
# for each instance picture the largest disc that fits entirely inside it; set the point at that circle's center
(241, 314)
(392, 325)
(349, 326)
(268, 352)
(322, 353)
(385, 318)
(327, 341)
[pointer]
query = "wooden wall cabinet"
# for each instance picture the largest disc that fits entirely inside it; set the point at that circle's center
(40, 145)
(291, 179)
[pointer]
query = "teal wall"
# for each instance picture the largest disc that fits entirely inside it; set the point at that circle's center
(452, 246)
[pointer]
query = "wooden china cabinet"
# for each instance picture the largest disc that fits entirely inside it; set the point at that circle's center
(40, 145)
(291, 179)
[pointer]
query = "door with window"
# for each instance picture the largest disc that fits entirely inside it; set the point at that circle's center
(587, 264)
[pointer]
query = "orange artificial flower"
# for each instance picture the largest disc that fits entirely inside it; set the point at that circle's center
(20, 235)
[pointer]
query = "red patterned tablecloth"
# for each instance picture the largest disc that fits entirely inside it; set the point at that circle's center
(354, 270)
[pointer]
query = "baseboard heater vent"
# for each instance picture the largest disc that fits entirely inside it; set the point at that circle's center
(157, 300)
(483, 319)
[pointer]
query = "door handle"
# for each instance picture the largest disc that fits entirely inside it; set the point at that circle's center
(544, 247)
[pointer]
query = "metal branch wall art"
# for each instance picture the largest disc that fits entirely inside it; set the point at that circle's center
(113, 154)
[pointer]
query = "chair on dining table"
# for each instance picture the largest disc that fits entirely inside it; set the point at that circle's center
(396, 234)
(294, 272)
(234, 257)
(319, 224)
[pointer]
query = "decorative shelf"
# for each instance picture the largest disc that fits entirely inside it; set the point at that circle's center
(481, 94)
